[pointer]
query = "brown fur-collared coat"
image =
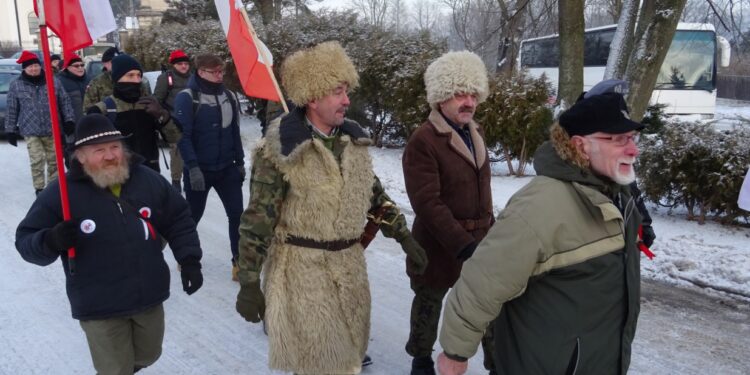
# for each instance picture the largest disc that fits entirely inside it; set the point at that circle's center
(449, 190)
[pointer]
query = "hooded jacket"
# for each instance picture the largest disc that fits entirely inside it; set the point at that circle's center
(561, 268)
(210, 134)
(75, 87)
(120, 267)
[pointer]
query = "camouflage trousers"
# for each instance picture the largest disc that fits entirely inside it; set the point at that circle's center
(425, 315)
(41, 153)
(175, 162)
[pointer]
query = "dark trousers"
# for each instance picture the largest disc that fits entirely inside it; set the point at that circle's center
(228, 185)
(425, 315)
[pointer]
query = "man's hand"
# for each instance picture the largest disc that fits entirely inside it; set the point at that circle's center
(192, 277)
(416, 258)
(62, 236)
(648, 235)
(243, 172)
(447, 366)
(197, 181)
(153, 107)
(12, 139)
(251, 303)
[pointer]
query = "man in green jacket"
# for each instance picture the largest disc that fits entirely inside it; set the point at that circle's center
(559, 270)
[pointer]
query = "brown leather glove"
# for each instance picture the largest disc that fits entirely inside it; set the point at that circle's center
(152, 107)
(416, 258)
(251, 303)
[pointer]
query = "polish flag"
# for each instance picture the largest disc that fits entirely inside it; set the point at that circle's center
(248, 52)
(78, 23)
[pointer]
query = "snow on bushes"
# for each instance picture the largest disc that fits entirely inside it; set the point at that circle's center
(695, 165)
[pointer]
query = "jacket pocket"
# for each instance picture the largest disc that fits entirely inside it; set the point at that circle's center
(575, 358)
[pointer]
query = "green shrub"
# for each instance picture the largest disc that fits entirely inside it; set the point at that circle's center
(515, 118)
(694, 165)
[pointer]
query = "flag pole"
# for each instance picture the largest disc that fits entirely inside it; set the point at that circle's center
(54, 116)
(262, 52)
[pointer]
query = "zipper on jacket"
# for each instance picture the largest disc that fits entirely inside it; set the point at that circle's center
(122, 214)
(578, 356)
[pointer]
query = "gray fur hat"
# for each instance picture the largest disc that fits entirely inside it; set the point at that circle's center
(455, 72)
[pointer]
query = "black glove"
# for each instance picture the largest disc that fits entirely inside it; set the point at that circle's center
(192, 278)
(467, 251)
(62, 236)
(250, 302)
(69, 127)
(197, 182)
(416, 259)
(152, 107)
(12, 139)
(648, 235)
(243, 172)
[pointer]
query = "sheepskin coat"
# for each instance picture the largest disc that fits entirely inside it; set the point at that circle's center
(317, 301)
(448, 188)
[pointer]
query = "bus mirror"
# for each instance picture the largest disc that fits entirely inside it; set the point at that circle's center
(725, 51)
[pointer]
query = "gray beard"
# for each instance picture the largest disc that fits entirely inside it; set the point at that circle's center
(106, 178)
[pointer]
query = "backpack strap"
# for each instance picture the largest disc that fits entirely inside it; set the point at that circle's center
(111, 106)
(170, 81)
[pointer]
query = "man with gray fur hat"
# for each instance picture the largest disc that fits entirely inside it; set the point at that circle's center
(447, 176)
(559, 273)
(311, 190)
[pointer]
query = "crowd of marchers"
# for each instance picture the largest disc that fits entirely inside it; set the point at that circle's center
(551, 285)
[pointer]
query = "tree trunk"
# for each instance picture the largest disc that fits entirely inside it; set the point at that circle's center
(570, 15)
(266, 10)
(512, 33)
(649, 53)
(622, 43)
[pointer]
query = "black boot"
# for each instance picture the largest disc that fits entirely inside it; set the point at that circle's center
(422, 366)
(366, 361)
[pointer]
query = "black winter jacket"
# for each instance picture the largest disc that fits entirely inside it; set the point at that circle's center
(120, 268)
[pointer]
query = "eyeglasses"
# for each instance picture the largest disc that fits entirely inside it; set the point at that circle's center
(76, 65)
(219, 72)
(619, 139)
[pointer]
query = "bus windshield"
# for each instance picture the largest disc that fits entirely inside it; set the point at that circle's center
(690, 62)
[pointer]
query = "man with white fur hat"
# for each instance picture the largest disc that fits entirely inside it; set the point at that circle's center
(311, 189)
(447, 176)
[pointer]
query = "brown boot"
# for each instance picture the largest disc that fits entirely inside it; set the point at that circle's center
(235, 269)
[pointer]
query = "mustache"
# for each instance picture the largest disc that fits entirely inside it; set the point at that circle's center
(626, 160)
(466, 109)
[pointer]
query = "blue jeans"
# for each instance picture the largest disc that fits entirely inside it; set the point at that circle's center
(228, 185)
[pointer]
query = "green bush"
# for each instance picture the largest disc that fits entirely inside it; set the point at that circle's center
(515, 118)
(694, 165)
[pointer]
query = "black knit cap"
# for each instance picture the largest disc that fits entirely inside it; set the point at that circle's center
(122, 64)
(606, 113)
(94, 129)
(110, 54)
(55, 57)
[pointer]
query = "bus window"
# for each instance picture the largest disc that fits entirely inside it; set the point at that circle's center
(596, 47)
(690, 62)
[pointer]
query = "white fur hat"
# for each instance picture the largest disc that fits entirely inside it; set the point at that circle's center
(455, 72)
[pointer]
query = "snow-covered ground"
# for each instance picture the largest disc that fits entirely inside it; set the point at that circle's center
(683, 329)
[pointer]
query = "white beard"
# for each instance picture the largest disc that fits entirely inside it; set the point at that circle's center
(624, 178)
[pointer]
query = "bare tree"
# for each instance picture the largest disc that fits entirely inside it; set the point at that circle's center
(375, 12)
(476, 25)
(398, 11)
(425, 14)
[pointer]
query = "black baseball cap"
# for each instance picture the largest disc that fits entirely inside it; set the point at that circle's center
(606, 113)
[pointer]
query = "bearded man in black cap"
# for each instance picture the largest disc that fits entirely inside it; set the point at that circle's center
(559, 272)
(120, 212)
(141, 118)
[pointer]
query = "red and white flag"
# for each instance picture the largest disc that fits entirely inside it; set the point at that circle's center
(252, 69)
(78, 23)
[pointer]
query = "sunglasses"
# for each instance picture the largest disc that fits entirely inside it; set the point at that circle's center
(76, 65)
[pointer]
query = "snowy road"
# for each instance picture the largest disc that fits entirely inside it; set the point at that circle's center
(681, 331)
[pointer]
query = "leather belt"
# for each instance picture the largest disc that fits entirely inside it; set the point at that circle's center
(322, 245)
(474, 224)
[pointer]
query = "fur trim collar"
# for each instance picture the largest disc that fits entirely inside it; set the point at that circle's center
(293, 131)
(457, 144)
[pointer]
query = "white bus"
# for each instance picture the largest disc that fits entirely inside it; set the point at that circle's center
(686, 81)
